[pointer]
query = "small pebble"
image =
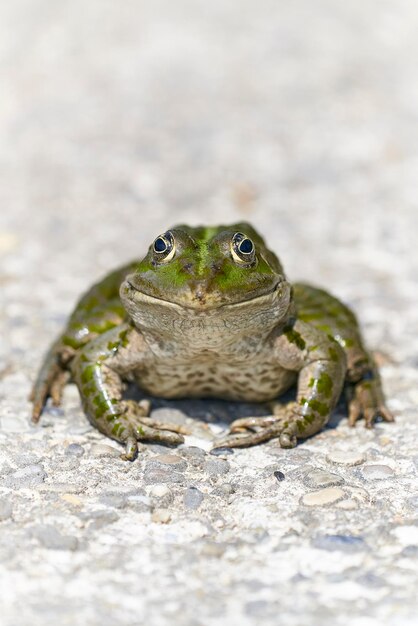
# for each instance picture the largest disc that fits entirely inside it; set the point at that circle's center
(52, 539)
(279, 475)
(6, 510)
(171, 460)
(347, 505)
(74, 449)
(161, 516)
(342, 457)
(157, 475)
(113, 500)
(72, 499)
(140, 503)
(226, 489)
(193, 498)
(99, 519)
(222, 451)
(29, 476)
(169, 415)
(342, 543)
(322, 497)
(99, 450)
(216, 466)
(377, 472)
(321, 478)
(162, 494)
(192, 450)
(160, 491)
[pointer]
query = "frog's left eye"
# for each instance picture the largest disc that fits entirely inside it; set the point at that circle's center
(243, 249)
(164, 248)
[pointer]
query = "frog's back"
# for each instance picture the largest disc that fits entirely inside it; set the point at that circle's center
(325, 312)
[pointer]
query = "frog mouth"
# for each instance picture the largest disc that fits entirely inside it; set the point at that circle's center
(199, 302)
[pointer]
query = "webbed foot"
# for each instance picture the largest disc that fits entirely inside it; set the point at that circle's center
(50, 383)
(366, 401)
(250, 431)
(138, 426)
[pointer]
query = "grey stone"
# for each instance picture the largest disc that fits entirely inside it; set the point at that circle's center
(6, 510)
(279, 476)
(29, 476)
(341, 543)
(74, 449)
(140, 503)
(113, 500)
(167, 461)
(193, 498)
(261, 609)
(345, 457)
(52, 539)
(323, 497)
(156, 475)
(222, 451)
(98, 519)
(225, 489)
(216, 466)
(100, 450)
(162, 495)
(377, 472)
(192, 452)
(318, 478)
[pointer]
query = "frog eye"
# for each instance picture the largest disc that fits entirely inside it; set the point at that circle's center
(242, 249)
(163, 247)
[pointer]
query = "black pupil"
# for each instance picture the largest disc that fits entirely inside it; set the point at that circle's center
(160, 245)
(246, 246)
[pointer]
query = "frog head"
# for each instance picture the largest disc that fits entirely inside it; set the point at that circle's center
(208, 270)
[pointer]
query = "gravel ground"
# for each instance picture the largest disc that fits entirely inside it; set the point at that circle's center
(116, 121)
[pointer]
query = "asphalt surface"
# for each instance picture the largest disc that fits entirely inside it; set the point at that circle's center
(118, 120)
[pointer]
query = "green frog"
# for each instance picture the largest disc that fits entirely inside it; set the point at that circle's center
(209, 312)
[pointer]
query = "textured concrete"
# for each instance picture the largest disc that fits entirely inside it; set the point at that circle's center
(116, 120)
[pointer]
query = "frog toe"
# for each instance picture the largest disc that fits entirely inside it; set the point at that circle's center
(131, 449)
(57, 386)
(168, 437)
(367, 403)
(251, 423)
(239, 439)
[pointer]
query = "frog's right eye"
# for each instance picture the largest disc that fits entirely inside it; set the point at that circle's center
(163, 247)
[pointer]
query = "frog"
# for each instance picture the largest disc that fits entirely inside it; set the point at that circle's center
(209, 312)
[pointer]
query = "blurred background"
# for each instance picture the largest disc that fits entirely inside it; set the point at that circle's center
(120, 119)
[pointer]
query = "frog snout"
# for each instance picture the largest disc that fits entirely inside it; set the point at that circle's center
(199, 294)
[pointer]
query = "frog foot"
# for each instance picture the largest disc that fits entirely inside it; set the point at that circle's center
(138, 426)
(50, 384)
(250, 431)
(367, 402)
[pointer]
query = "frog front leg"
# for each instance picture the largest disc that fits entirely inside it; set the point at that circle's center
(99, 370)
(321, 364)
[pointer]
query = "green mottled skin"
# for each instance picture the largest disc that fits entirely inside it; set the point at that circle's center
(204, 323)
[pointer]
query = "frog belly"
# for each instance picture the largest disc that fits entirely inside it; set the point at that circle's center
(257, 383)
